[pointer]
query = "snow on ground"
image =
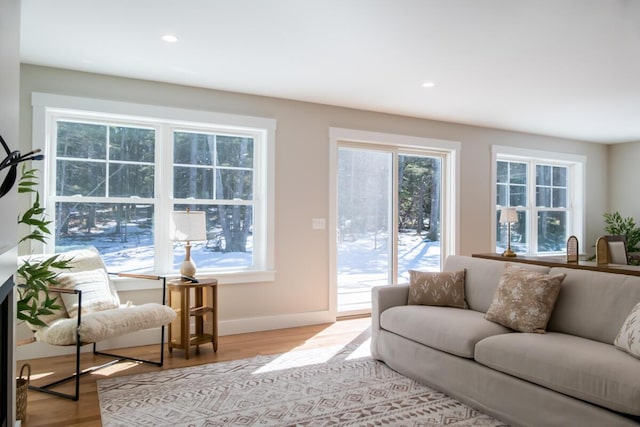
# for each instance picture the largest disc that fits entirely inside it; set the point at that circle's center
(366, 259)
(133, 251)
(363, 261)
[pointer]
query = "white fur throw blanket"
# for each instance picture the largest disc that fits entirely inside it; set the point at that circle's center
(106, 324)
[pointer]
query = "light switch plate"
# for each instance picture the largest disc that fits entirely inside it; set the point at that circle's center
(318, 223)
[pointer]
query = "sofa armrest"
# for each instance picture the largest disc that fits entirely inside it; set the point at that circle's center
(382, 298)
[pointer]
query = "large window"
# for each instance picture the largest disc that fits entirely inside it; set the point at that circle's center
(113, 180)
(546, 190)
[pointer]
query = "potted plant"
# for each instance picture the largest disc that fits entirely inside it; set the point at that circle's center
(35, 276)
(617, 225)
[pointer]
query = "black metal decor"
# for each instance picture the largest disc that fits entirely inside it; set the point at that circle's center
(11, 161)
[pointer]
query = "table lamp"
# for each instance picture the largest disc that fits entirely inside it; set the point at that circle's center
(508, 216)
(188, 226)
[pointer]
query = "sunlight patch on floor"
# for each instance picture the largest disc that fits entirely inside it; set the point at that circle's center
(115, 368)
(363, 350)
(357, 348)
(297, 358)
(42, 375)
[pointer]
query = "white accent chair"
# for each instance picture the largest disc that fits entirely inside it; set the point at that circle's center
(91, 312)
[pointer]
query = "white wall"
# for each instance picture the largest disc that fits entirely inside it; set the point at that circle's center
(624, 160)
(300, 291)
(9, 103)
(9, 109)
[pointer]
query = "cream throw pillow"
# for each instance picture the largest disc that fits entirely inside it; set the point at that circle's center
(524, 299)
(628, 338)
(437, 288)
(96, 295)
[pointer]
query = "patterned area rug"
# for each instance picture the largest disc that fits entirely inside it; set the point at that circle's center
(281, 391)
(263, 392)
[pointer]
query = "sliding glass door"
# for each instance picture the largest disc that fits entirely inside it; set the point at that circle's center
(389, 218)
(364, 225)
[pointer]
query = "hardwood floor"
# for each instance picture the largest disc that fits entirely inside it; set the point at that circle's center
(51, 411)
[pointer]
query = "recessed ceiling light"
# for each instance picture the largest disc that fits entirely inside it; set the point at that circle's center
(428, 84)
(169, 38)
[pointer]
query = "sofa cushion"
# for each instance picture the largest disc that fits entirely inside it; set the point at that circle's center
(593, 304)
(524, 299)
(447, 329)
(481, 278)
(628, 338)
(578, 367)
(437, 288)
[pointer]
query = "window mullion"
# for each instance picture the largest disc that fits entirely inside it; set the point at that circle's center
(532, 220)
(393, 215)
(106, 161)
(215, 167)
(164, 198)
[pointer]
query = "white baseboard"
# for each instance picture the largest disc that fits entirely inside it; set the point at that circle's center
(268, 323)
(152, 336)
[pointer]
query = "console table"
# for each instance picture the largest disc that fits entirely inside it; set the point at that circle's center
(561, 261)
(180, 335)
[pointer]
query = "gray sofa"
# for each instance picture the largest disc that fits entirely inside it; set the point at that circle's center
(570, 376)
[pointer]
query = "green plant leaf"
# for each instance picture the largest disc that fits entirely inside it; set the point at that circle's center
(37, 275)
(617, 225)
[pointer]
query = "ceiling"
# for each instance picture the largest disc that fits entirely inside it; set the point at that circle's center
(566, 68)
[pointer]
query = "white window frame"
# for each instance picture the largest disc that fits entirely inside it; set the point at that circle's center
(49, 107)
(576, 166)
(448, 151)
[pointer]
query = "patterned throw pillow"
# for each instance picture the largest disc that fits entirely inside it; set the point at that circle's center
(524, 299)
(628, 338)
(96, 295)
(437, 288)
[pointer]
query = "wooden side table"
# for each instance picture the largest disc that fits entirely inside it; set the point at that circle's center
(180, 335)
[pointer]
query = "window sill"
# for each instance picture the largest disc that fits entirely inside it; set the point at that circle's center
(124, 284)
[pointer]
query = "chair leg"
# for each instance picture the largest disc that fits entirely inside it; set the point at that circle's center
(45, 388)
(117, 358)
(121, 357)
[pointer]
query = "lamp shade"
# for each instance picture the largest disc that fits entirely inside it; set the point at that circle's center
(188, 226)
(508, 215)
